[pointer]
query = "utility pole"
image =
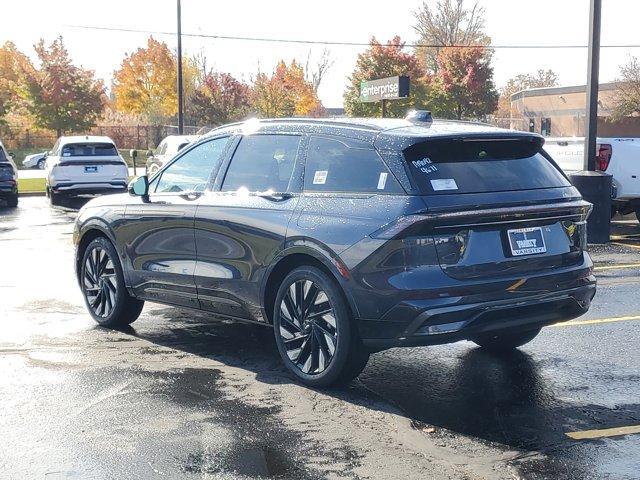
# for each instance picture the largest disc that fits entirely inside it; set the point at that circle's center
(592, 85)
(180, 99)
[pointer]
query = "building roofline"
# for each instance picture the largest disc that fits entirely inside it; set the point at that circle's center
(539, 92)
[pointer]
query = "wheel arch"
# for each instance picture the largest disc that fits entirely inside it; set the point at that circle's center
(90, 232)
(300, 256)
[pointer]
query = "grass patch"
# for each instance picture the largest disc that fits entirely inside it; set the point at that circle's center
(31, 185)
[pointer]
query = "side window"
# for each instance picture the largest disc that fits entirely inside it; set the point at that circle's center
(261, 163)
(191, 172)
(343, 166)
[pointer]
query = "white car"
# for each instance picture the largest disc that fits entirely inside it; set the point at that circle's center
(166, 150)
(85, 165)
(618, 156)
(35, 160)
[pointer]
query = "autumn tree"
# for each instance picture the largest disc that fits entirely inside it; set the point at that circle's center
(539, 79)
(445, 23)
(15, 68)
(386, 60)
(219, 99)
(463, 87)
(61, 96)
(145, 83)
(285, 93)
(626, 98)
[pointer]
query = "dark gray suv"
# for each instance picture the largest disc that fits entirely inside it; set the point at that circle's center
(348, 237)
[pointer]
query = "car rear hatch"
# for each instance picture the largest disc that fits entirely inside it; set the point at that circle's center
(496, 206)
(91, 163)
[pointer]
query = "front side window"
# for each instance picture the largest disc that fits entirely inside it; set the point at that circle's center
(191, 172)
(89, 150)
(346, 166)
(262, 163)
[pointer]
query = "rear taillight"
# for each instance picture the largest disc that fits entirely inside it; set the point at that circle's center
(604, 156)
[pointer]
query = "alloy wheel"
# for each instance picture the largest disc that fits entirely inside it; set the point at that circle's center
(99, 280)
(308, 327)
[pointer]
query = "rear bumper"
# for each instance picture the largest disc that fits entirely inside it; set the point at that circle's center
(535, 301)
(89, 188)
(8, 188)
(452, 324)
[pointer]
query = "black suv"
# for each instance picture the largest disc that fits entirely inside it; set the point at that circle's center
(8, 178)
(349, 237)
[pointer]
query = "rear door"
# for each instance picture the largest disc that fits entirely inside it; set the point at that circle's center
(497, 206)
(241, 225)
(159, 237)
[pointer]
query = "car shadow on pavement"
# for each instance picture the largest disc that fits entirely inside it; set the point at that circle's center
(503, 399)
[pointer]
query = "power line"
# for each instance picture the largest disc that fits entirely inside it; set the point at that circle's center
(332, 43)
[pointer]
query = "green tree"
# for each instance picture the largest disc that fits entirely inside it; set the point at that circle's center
(387, 60)
(445, 23)
(463, 87)
(60, 95)
(626, 98)
(219, 99)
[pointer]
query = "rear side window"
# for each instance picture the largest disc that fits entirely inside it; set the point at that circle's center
(262, 163)
(3, 157)
(89, 150)
(458, 166)
(336, 165)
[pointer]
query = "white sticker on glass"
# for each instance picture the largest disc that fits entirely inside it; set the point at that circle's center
(320, 177)
(444, 184)
(382, 180)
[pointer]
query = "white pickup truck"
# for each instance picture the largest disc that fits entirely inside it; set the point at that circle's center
(618, 156)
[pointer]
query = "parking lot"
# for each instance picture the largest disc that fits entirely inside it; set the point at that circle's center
(183, 395)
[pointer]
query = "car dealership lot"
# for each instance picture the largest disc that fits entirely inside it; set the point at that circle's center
(179, 395)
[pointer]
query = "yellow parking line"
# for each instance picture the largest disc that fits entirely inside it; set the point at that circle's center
(625, 245)
(597, 320)
(604, 432)
(615, 267)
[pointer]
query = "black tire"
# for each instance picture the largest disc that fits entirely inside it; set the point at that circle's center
(12, 201)
(41, 164)
(505, 341)
(103, 287)
(315, 326)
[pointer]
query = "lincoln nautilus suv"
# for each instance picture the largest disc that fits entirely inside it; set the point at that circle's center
(347, 237)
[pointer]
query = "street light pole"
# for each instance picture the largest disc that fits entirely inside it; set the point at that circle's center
(180, 99)
(592, 85)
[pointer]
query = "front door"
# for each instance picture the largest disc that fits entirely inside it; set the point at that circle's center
(160, 242)
(241, 224)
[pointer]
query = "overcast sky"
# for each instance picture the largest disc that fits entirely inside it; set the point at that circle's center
(545, 22)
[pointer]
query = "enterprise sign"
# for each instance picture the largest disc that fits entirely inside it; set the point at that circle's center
(389, 88)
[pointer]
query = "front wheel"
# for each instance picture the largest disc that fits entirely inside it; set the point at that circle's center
(314, 332)
(103, 287)
(505, 341)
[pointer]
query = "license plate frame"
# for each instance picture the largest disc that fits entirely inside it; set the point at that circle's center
(526, 241)
(91, 169)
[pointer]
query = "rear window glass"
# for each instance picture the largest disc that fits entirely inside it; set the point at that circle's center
(449, 167)
(89, 150)
(346, 166)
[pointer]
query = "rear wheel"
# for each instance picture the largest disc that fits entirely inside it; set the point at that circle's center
(504, 341)
(41, 164)
(314, 331)
(12, 200)
(103, 287)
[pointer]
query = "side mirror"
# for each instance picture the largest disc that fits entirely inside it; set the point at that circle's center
(12, 155)
(139, 187)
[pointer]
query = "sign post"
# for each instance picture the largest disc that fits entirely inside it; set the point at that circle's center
(384, 89)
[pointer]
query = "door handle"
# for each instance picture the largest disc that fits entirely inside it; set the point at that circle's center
(191, 195)
(276, 197)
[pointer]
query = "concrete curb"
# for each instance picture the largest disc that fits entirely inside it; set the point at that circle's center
(31, 194)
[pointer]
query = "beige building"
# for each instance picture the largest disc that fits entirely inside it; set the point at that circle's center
(560, 112)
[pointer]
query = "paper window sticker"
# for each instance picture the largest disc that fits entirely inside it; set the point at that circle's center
(444, 184)
(320, 177)
(382, 180)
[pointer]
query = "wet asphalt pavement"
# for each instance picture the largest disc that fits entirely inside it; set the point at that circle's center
(182, 395)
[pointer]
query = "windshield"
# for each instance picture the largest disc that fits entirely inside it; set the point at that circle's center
(457, 166)
(89, 150)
